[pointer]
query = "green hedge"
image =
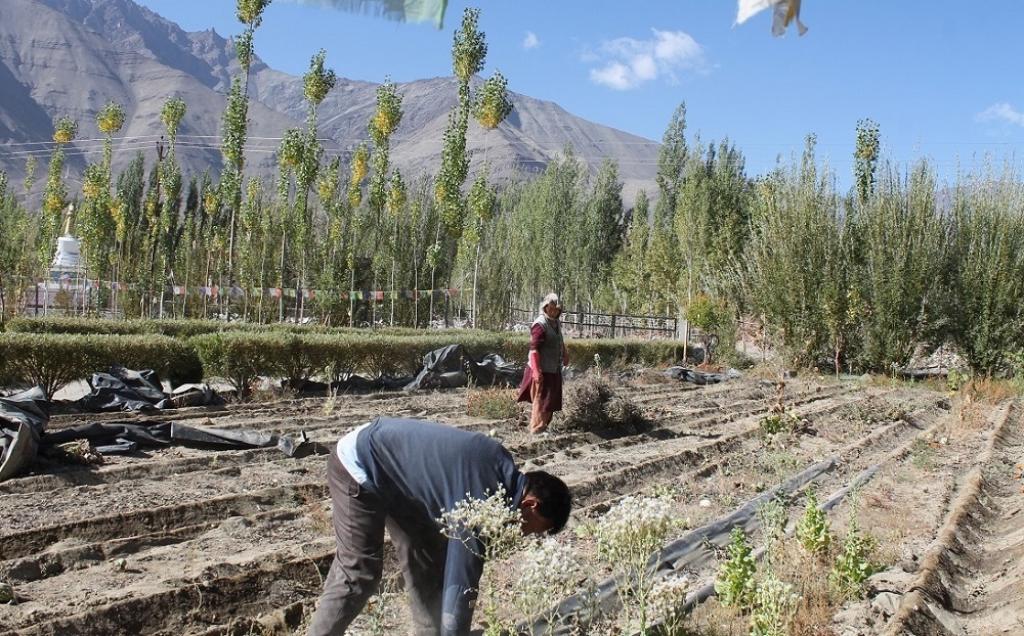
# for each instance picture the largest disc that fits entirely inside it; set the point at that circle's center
(241, 356)
(53, 360)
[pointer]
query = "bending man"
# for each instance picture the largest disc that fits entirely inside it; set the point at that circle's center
(401, 475)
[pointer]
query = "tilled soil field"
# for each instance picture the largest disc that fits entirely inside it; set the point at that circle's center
(187, 541)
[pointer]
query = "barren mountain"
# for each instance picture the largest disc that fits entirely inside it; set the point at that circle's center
(69, 57)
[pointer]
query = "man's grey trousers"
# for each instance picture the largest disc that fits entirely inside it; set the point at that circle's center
(360, 518)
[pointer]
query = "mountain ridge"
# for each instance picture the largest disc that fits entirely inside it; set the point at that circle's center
(69, 57)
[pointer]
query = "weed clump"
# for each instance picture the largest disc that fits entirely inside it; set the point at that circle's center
(853, 566)
(592, 404)
(774, 605)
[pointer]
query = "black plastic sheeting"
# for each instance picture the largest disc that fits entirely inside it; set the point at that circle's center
(118, 437)
(693, 376)
(125, 390)
(452, 366)
(348, 384)
(23, 416)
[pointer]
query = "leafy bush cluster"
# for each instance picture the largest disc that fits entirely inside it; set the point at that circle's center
(735, 585)
(761, 593)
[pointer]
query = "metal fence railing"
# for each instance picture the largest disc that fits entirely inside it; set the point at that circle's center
(592, 324)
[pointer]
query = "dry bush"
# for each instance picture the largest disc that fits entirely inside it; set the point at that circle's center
(492, 403)
(817, 604)
(990, 390)
(592, 404)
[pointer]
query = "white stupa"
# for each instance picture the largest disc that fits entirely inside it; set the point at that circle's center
(69, 249)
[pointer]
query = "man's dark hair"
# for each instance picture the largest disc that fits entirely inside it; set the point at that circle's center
(553, 495)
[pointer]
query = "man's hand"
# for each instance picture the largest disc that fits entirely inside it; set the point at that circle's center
(538, 382)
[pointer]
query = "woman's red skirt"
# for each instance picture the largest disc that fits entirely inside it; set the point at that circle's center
(550, 392)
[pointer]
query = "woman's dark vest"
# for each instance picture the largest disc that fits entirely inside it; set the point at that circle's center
(550, 350)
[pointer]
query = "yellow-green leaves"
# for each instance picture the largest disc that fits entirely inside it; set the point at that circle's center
(110, 119)
(65, 131)
(492, 104)
(250, 12)
(388, 115)
(318, 80)
(469, 48)
(171, 115)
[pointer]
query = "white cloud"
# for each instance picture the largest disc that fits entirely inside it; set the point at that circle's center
(1001, 112)
(626, 63)
(531, 41)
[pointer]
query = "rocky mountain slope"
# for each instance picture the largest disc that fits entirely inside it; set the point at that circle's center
(69, 57)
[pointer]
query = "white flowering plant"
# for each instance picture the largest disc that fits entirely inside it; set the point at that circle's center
(627, 536)
(667, 598)
(489, 527)
(774, 605)
(492, 529)
(547, 571)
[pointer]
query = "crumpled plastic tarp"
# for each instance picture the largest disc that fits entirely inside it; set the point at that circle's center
(121, 437)
(123, 389)
(23, 416)
(452, 367)
(700, 377)
(348, 384)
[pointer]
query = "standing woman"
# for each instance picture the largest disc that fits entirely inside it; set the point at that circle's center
(542, 382)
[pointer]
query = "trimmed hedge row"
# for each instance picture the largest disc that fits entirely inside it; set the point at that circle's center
(53, 360)
(240, 357)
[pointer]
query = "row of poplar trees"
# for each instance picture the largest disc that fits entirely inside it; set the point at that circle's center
(853, 280)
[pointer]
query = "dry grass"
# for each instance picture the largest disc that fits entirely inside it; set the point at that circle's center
(990, 390)
(492, 403)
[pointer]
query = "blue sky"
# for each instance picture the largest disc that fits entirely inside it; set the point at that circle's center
(943, 79)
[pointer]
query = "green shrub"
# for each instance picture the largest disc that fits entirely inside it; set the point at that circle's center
(73, 325)
(812, 530)
(853, 566)
(735, 584)
(240, 358)
(53, 360)
(628, 351)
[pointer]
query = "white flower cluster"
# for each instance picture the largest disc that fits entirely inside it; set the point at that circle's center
(774, 606)
(547, 571)
(497, 525)
(633, 529)
(667, 598)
